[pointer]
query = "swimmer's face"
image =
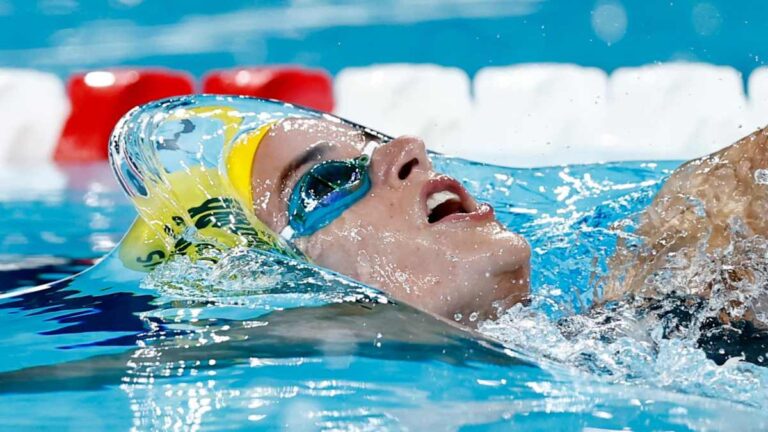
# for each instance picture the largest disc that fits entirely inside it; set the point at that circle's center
(451, 260)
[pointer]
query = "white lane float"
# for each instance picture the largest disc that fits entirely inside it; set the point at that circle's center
(758, 96)
(33, 108)
(535, 115)
(522, 115)
(432, 102)
(674, 111)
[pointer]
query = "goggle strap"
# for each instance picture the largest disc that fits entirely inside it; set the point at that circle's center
(287, 233)
(369, 148)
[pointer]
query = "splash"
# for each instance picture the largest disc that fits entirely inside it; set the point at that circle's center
(243, 276)
(621, 348)
(569, 220)
(574, 217)
(660, 341)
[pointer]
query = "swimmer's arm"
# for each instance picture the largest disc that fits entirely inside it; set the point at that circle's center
(704, 203)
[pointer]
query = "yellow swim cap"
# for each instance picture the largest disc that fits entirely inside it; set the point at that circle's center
(197, 208)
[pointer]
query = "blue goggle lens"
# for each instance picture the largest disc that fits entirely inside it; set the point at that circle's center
(326, 191)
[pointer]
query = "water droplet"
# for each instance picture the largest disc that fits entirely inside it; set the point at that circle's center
(609, 21)
(761, 176)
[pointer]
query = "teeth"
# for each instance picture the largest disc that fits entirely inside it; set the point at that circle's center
(438, 198)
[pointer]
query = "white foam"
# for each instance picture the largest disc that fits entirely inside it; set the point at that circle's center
(674, 111)
(33, 108)
(428, 101)
(535, 114)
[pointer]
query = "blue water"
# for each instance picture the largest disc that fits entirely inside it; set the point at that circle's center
(66, 36)
(58, 220)
(318, 352)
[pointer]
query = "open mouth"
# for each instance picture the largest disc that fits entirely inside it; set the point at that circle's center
(447, 200)
(442, 204)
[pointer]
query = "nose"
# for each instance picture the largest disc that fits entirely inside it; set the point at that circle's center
(397, 161)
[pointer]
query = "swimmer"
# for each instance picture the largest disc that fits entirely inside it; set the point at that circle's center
(419, 236)
(367, 206)
(413, 233)
(372, 208)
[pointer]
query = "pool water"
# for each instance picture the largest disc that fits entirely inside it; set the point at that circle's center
(258, 341)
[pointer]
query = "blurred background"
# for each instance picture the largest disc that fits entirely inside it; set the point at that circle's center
(65, 36)
(514, 82)
(521, 83)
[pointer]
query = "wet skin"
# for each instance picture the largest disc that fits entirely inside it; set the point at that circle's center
(459, 264)
(707, 207)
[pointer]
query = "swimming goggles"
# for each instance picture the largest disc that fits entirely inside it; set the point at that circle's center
(326, 191)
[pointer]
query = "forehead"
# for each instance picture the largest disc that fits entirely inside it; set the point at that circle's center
(291, 137)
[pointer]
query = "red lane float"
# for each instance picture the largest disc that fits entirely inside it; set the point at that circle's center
(308, 87)
(100, 98)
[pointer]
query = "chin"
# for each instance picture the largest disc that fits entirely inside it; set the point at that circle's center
(513, 287)
(492, 296)
(509, 270)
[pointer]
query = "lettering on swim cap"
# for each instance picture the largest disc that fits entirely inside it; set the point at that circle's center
(227, 213)
(221, 223)
(187, 165)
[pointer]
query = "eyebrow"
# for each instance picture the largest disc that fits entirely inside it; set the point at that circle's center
(310, 154)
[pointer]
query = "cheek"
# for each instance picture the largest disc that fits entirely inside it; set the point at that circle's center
(268, 206)
(471, 255)
(337, 246)
(394, 211)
